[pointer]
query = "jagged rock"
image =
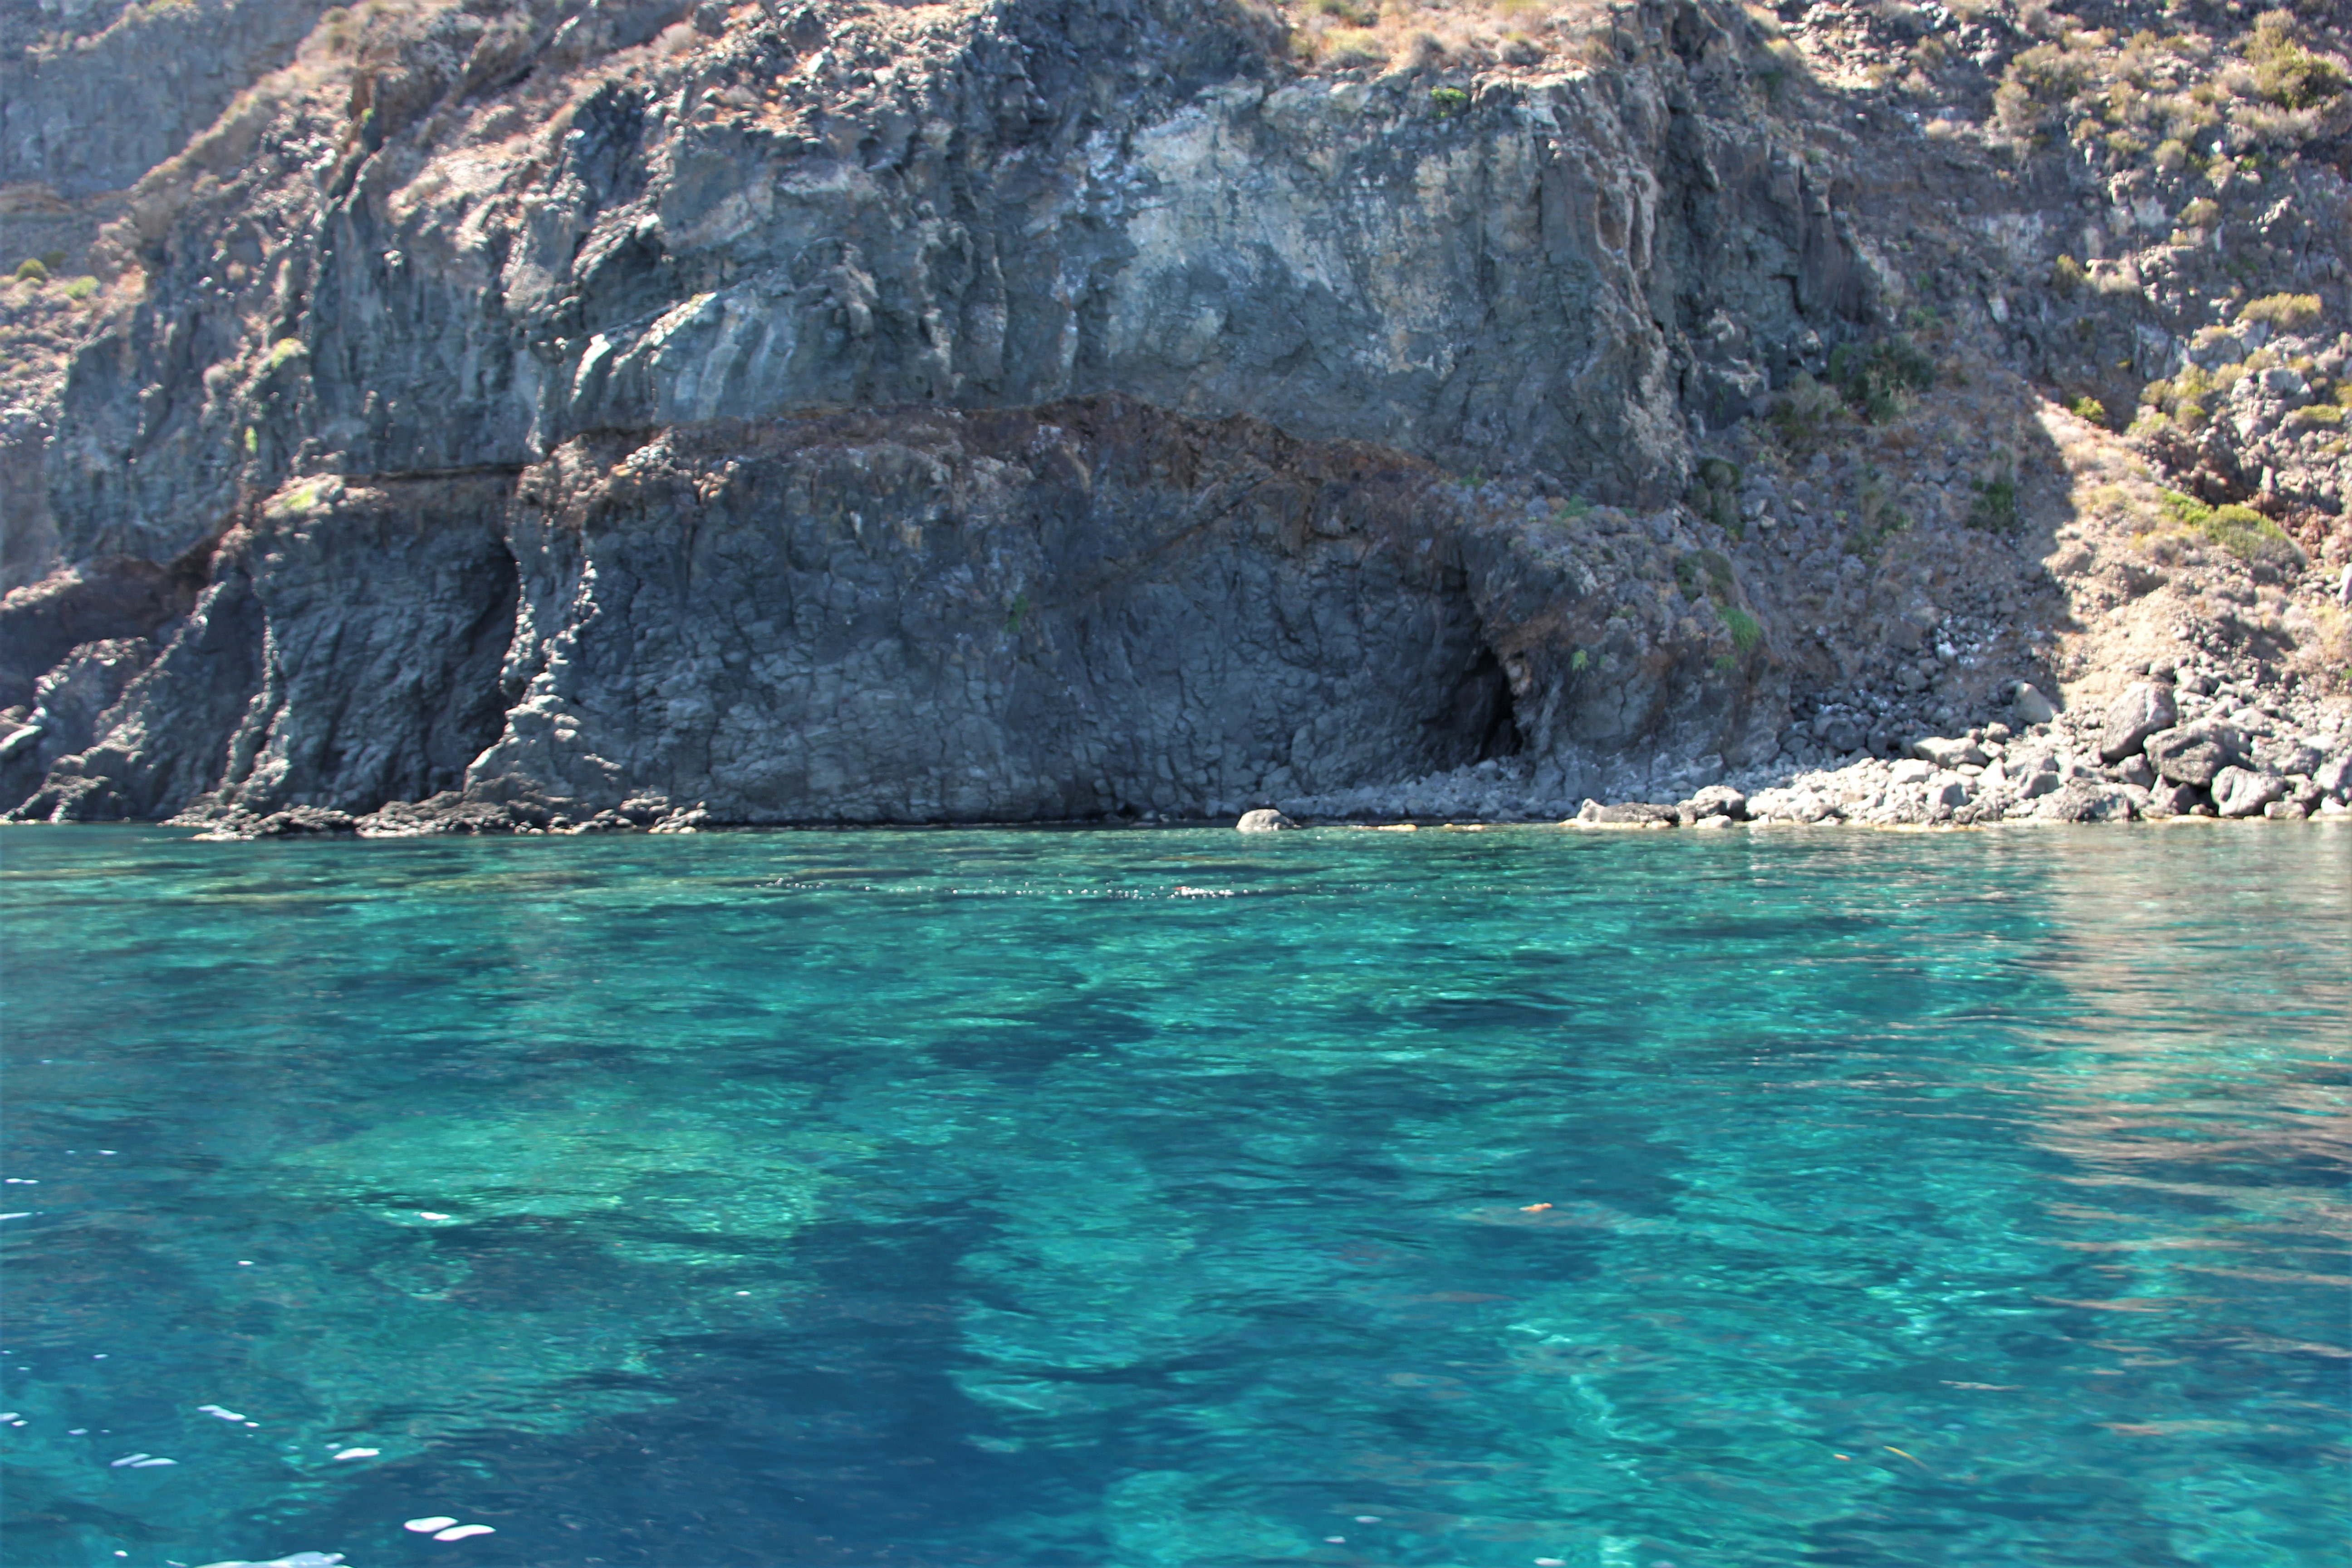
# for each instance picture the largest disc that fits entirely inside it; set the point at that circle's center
(1265, 820)
(2031, 706)
(2133, 770)
(2243, 792)
(2145, 707)
(2334, 776)
(2194, 753)
(2172, 799)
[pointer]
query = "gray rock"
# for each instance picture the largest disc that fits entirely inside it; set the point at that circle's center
(1265, 820)
(2334, 775)
(1078, 613)
(2285, 811)
(1956, 751)
(1715, 822)
(2133, 770)
(2194, 753)
(2172, 800)
(1717, 800)
(2243, 792)
(2032, 706)
(1629, 815)
(2086, 800)
(2144, 708)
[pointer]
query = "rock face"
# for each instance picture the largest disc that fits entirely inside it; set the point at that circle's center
(1087, 611)
(624, 413)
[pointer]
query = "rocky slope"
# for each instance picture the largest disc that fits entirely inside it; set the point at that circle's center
(615, 413)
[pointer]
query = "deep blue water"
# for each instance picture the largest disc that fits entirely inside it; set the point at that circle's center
(1170, 1198)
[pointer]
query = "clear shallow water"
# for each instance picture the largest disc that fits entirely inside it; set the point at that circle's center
(984, 1198)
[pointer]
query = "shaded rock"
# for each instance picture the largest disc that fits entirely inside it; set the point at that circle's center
(2135, 770)
(2030, 705)
(1633, 814)
(2144, 708)
(2086, 800)
(1956, 751)
(2194, 753)
(1265, 820)
(2173, 799)
(1715, 800)
(446, 812)
(2243, 792)
(2334, 776)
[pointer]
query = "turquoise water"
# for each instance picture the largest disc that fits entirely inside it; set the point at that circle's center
(1162, 1198)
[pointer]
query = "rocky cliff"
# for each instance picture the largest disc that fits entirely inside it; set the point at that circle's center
(1052, 410)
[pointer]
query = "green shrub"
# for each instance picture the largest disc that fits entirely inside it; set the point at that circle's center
(2285, 71)
(2284, 312)
(2202, 212)
(1448, 100)
(1715, 494)
(30, 270)
(1705, 571)
(1746, 633)
(2066, 275)
(1882, 378)
(2088, 408)
(1805, 416)
(2239, 530)
(81, 287)
(1995, 508)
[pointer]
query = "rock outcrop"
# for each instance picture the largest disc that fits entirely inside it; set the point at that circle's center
(516, 413)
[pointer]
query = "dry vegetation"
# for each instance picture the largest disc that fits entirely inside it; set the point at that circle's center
(1439, 33)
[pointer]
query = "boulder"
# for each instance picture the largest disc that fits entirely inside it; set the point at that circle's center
(2145, 707)
(2086, 800)
(2032, 706)
(1954, 753)
(2334, 776)
(2194, 753)
(1717, 800)
(2243, 792)
(1715, 822)
(2285, 811)
(2171, 800)
(2133, 770)
(1911, 771)
(1633, 814)
(1265, 820)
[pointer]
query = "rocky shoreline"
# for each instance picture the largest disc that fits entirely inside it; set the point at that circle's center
(2177, 744)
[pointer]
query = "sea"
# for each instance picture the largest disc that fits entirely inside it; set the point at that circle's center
(1178, 1198)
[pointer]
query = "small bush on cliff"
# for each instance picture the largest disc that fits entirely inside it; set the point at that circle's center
(1715, 494)
(2285, 71)
(2239, 530)
(1745, 631)
(30, 270)
(2283, 311)
(1881, 378)
(1805, 414)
